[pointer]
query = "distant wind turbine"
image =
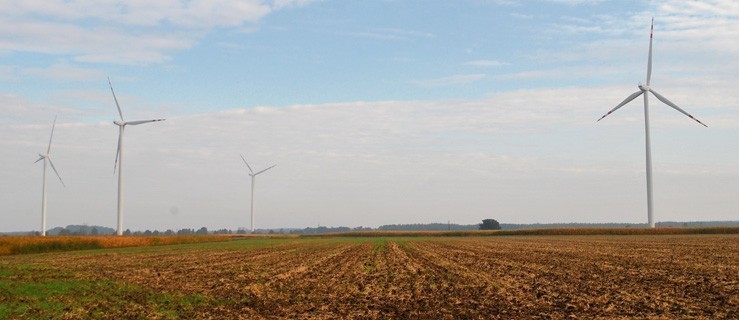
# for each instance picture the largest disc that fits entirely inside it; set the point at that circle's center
(47, 157)
(119, 156)
(253, 179)
(645, 89)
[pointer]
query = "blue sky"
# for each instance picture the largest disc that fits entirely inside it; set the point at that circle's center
(376, 112)
(328, 51)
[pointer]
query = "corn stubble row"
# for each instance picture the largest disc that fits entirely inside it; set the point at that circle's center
(470, 277)
(36, 244)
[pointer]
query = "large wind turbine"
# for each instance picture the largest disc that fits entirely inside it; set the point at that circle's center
(253, 179)
(119, 156)
(645, 89)
(47, 158)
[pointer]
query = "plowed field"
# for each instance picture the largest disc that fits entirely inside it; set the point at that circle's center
(400, 278)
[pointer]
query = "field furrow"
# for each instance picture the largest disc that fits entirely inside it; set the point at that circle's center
(546, 277)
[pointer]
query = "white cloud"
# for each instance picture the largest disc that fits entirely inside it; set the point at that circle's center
(576, 2)
(19, 110)
(391, 34)
(457, 79)
(522, 16)
(63, 71)
(486, 63)
(132, 32)
(198, 13)
(533, 155)
(522, 156)
(279, 4)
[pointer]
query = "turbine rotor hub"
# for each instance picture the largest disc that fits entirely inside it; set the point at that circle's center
(120, 123)
(644, 87)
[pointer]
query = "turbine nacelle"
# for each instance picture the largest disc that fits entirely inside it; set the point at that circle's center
(644, 88)
(120, 123)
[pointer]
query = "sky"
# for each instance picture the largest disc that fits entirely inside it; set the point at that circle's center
(375, 112)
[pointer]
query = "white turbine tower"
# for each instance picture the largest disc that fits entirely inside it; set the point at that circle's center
(47, 158)
(645, 89)
(119, 156)
(253, 179)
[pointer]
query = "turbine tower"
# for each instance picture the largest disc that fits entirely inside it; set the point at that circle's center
(253, 179)
(119, 156)
(47, 158)
(645, 89)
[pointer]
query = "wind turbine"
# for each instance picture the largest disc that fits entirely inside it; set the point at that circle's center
(645, 89)
(253, 179)
(119, 156)
(46, 157)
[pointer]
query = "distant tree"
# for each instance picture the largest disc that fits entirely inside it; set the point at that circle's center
(185, 231)
(155, 233)
(127, 232)
(222, 231)
(202, 230)
(147, 232)
(64, 232)
(241, 231)
(169, 232)
(94, 231)
(489, 224)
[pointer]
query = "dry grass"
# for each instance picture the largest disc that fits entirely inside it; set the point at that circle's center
(36, 244)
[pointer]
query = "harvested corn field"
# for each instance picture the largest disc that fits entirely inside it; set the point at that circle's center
(668, 276)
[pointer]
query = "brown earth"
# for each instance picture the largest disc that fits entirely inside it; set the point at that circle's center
(673, 276)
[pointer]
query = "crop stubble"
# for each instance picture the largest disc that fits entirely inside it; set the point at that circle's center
(502, 277)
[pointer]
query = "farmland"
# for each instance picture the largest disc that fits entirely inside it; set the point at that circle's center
(595, 276)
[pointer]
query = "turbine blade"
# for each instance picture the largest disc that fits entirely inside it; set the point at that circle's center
(627, 100)
(116, 100)
(57, 172)
(649, 61)
(247, 165)
(39, 159)
(265, 170)
(674, 106)
(118, 150)
(51, 136)
(133, 123)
